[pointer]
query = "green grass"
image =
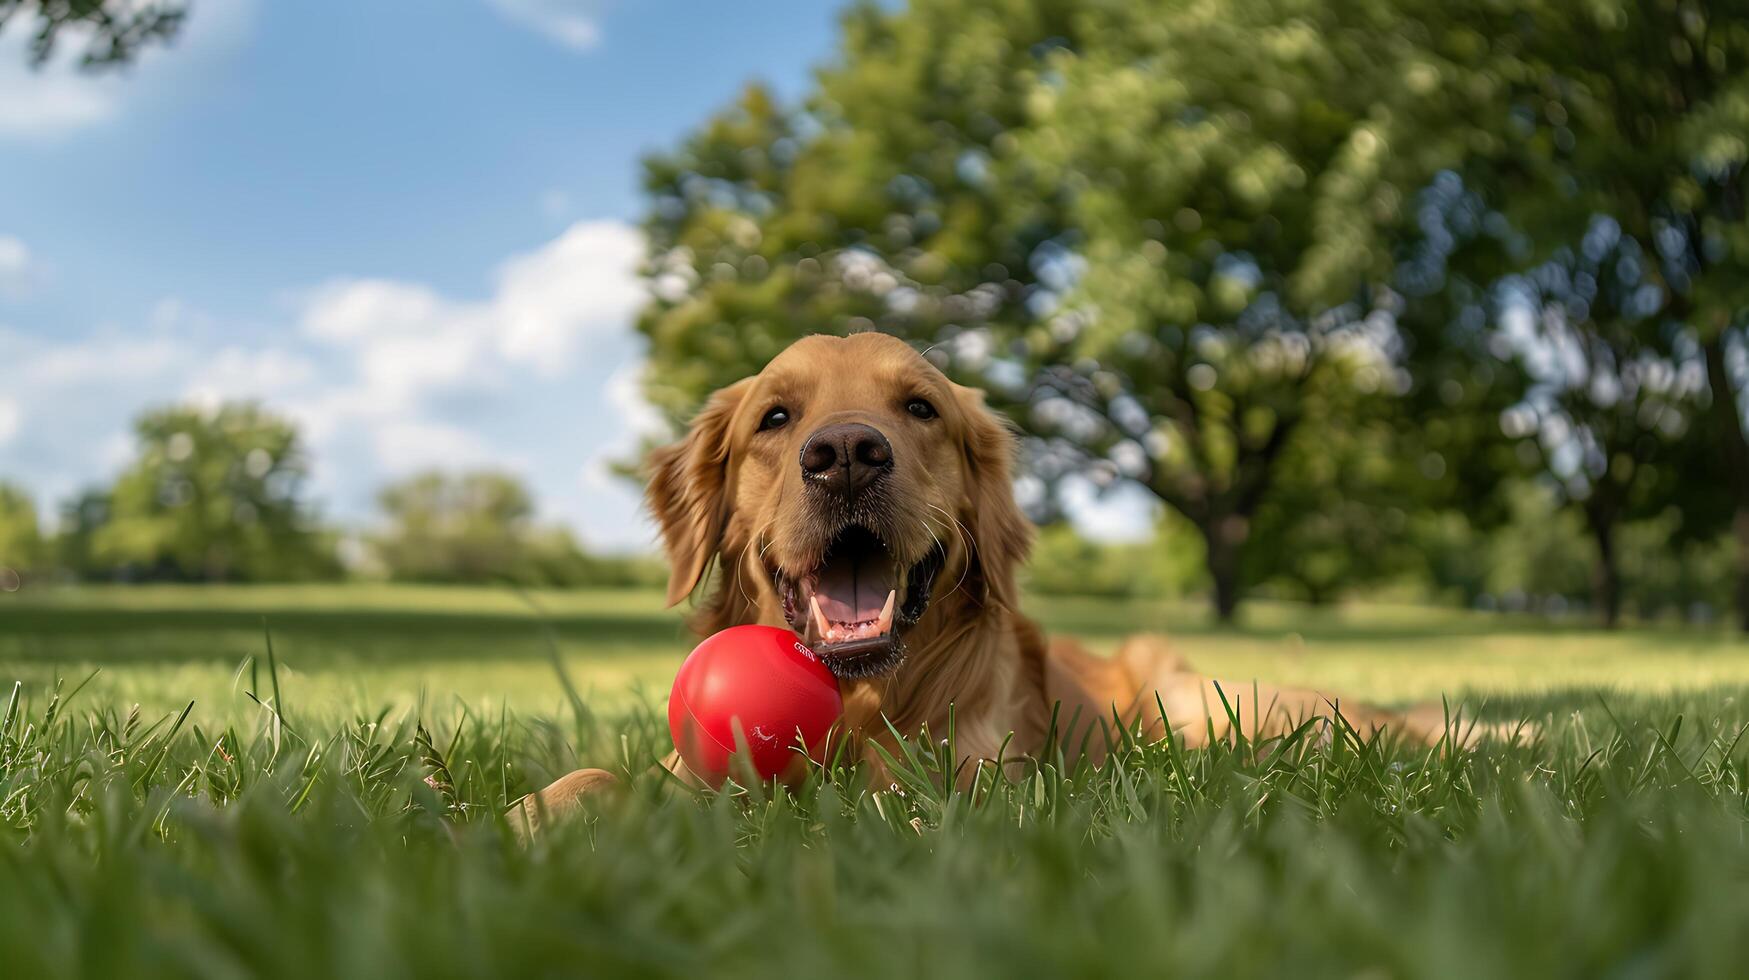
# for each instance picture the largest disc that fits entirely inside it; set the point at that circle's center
(398, 646)
(356, 830)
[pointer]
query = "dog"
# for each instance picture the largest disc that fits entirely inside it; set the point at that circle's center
(854, 494)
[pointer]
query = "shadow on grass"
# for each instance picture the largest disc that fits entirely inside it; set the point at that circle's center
(1337, 625)
(184, 632)
(189, 635)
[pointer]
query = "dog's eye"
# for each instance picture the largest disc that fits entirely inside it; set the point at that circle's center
(920, 408)
(777, 418)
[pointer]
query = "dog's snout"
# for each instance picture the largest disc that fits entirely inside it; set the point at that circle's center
(847, 457)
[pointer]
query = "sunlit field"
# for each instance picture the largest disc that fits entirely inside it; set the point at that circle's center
(341, 648)
(335, 808)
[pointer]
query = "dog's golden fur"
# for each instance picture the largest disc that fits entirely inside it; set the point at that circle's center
(729, 496)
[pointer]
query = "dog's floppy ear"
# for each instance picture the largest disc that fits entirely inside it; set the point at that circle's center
(1001, 533)
(688, 491)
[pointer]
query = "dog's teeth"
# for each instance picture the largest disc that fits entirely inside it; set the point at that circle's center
(819, 618)
(885, 622)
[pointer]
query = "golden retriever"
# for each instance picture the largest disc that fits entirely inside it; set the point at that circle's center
(854, 494)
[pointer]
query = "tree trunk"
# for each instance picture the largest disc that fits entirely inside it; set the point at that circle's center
(1606, 575)
(1740, 526)
(1225, 539)
(1734, 456)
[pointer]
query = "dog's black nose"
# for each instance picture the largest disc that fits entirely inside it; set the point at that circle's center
(846, 457)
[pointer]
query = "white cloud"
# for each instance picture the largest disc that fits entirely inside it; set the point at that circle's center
(385, 377)
(52, 101)
(637, 420)
(408, 342)
(572, 23)
(19, 269)
(626, 394)
(348, 311)
(103, 359)
(236, 372)
(581, 285)
(59, 99)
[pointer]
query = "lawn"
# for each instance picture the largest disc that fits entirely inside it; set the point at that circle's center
(343, 647)
(355, 830)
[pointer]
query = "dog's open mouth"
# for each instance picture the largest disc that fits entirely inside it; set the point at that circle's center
(853, 607)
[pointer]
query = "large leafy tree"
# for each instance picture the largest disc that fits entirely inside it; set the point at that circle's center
(213, 495)
(1631, 113)
(1604, 390)
(1237, 196)
(1161, 232)
(1617, 391)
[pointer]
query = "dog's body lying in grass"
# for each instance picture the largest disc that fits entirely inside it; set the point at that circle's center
(853, 493)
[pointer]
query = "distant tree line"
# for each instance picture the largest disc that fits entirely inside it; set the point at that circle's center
(220, 495)
(1356, 289)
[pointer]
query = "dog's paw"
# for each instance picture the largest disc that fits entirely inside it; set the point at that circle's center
(562, 798)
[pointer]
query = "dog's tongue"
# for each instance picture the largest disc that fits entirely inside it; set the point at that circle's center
(854, 589)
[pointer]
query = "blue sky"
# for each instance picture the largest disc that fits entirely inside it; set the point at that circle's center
(409, 226)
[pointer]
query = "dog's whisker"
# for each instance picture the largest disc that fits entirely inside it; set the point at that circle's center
(768, 525)
(741, 563)
(971, 546)
(970, 543)
(932, 535)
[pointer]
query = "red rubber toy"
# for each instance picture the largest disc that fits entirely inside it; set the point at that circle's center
(762, 681)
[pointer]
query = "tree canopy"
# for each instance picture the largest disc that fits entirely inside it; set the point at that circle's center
(112, 32)
(213, 494)
(1610, 139)
(1192, 245)
(1160, 232)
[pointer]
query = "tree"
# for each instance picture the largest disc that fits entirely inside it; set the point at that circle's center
(873, 204)
(1235, 199)
(1632, 112)
(1539, 559)
(214, 495)
(1159, 232)
(75, 543)
(21, 542)
(469, 527)
(1617, 388)
(113, 31)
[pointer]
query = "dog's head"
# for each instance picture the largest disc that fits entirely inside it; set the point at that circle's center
(847, 490)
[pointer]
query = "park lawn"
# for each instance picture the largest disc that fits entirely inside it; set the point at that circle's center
(356, 831)
(392, 645)
(344, 646)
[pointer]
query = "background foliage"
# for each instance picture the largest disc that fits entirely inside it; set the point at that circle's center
(1304, 271)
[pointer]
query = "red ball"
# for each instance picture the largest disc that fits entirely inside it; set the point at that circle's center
(761, 681)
